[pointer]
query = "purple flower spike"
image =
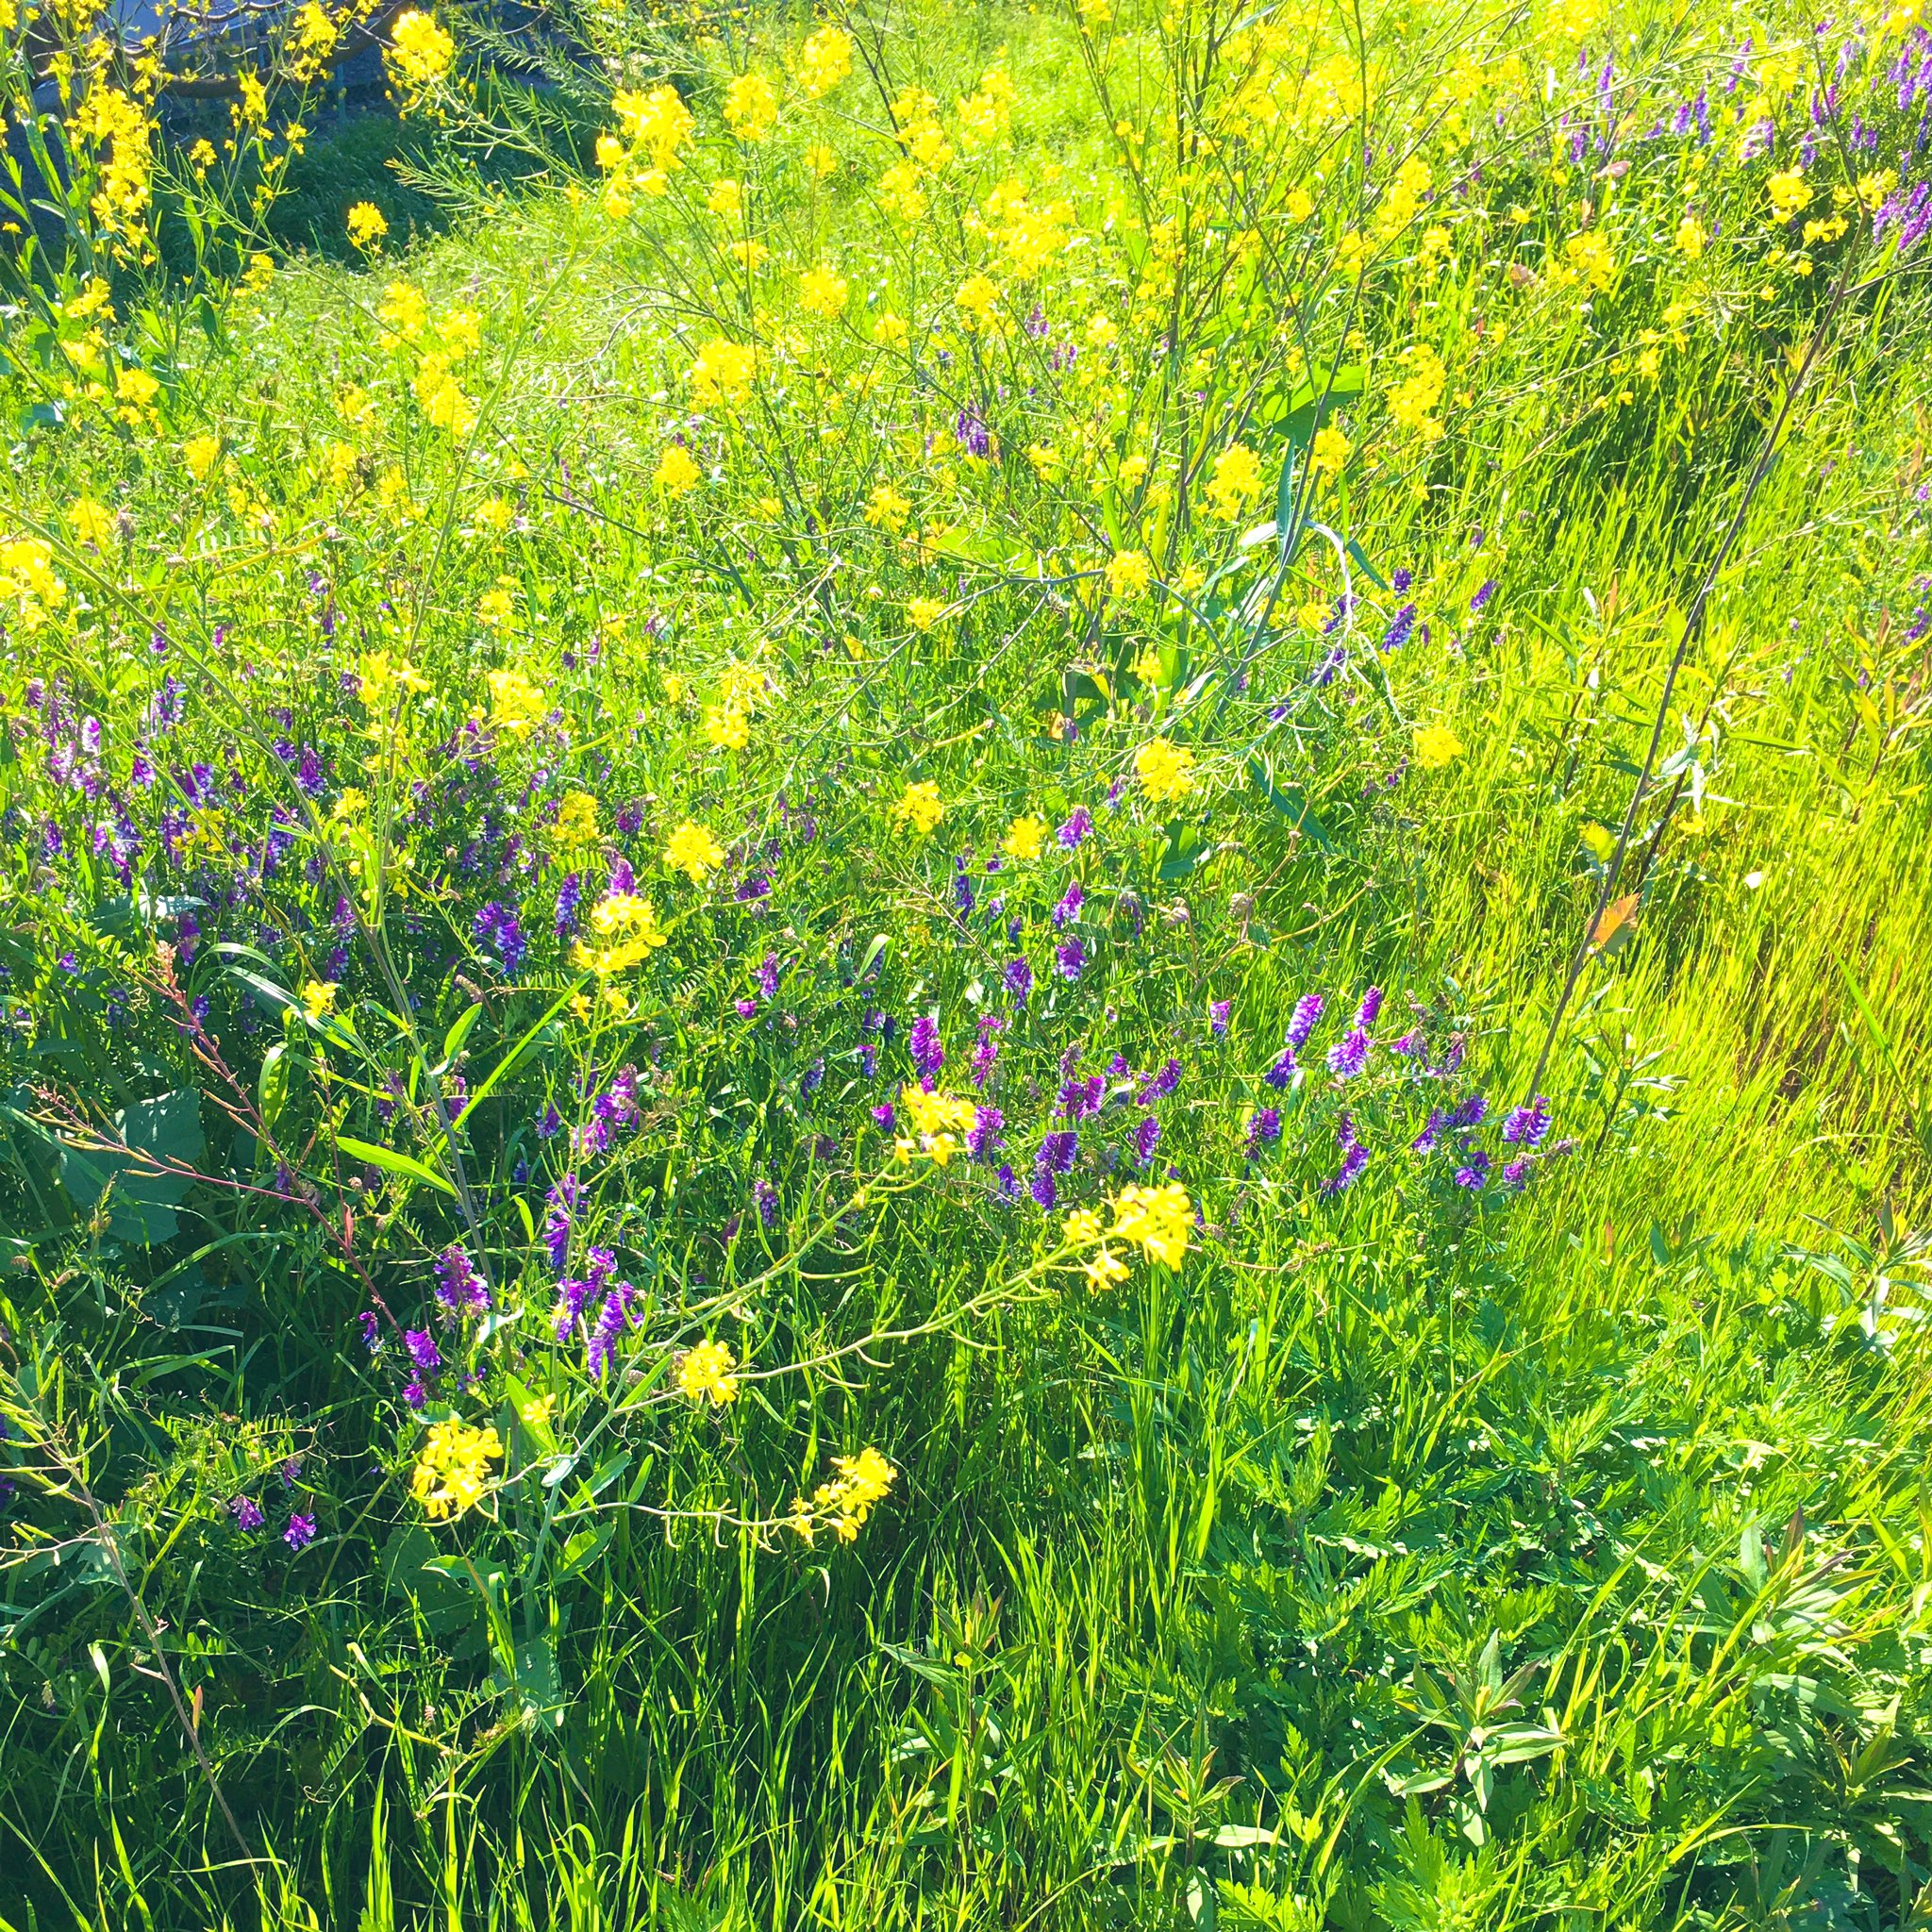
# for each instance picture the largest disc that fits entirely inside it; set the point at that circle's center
(1370, 1008)
(1217, 1012)
(1071, 956)
(1264, 1129)
(928, 1056)
(1349, 1055)
(300, 1532)
(1146, 1137)
(1308, 1010)
(1018, 980)
(246, 1512)
(1525, 1126)
(1345, 1177)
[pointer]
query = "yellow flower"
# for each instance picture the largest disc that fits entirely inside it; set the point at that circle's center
(1165, 771)
(1103, 1267)
(721, 372)
(577, 821)
(1082, 1230)
(1436, 745)
(727, 198)
(823, 292)
(823, 61)
(977, 297)
(366, 224)
(515, 703)
(1693, 237)
(656, 123)
(924, 612)
(1158, 1220)
(382, 674)
(677, 474)
(630, 925)
(453, 1472)
(919, 806)
(1590, 259)
(1129, 574)
(1301, 203)
(821, 159)
(1236, 483)
(1024, 838)
(703, 1373)
(885, 509)
(1790, 194)
(889, 330)
(1328, 454)
(419, 55)
(200, 453)
(751, 107)
(319, 997)
(727, 726)
(91, 522)
(847, 1500)
(693, 852)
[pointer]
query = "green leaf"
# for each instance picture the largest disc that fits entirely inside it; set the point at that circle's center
(1291, 801)
(391, 1162)
(142, 1204)
(511, 1058)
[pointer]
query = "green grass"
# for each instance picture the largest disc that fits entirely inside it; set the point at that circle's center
(1416, 1555)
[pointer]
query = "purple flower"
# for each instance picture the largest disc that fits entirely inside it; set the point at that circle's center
(414, 1393)
(928, 1056)
(1308, 1010)
(1009, 1187)
(569, 898)
(372, 1335)
(459, 1287)
(423, 1349)
(1043, 1189)
(766, 1196)
(1516, 1172)
(987, 1052)
(983, 1136)
(1399, 629)
(1018, 980)
(1057, 1153)
(602, 1342)
(1071, 956)
(886, 1116)
(972, 434)
(1469, 1113)
(560, 1200)
(767, 976)
(1217, 1017)
(1265, 1126)
(1163, 1083)
(1354, 1158)
(1483, 592)
(1370, 1008)
(1069, 906)
(1284, 1072)
(745, 1010)
(1526, 1126)
(246, 1512)
(1411, 1046)
(1472, 1176)
(550, 1123)
(1079, 827)
(496, 925)
(1146, 1137)
(1349, 1055)
(300, 1532)
(1425, 1141)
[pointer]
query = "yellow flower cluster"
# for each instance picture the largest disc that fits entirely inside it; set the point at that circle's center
(114, 131)
(722, 372)
(1436, 745)
(1166, 770)
(628, 925)
(655, 127)
(693, 851)
(705, 1374)
(366, 224)
(1159, 1221)
(28, 581)
(576, 822)
(1024, 837)
(936, 1120)
(453, 1472)
(1236, 482)
(1412, 399)
(845, 1502)
(419, 55)
(920, 807)
(516, 705)
(823, 61)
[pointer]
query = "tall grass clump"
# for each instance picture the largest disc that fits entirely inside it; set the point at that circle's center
(986, 990)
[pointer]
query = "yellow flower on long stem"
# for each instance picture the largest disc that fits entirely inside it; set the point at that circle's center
(693, 851)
